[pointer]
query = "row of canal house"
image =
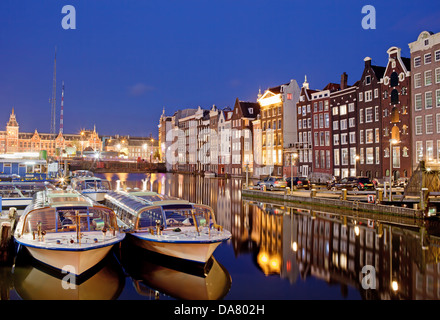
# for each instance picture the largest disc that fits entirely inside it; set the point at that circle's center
(346, 130)
(385, 122)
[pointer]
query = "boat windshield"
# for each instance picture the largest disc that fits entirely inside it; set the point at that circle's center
(69, 219)
(93, 185)
(176, 217)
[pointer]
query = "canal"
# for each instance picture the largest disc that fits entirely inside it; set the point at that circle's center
(277, 252)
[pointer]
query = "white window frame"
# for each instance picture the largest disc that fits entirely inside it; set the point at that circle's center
(369, 132)
(426, 56)
(368, 119)
(417, 61)
(429, 124)
(420, 106)
(368, 95)
(427, 99)
(428, 75)
(418, 80)
(418, 126)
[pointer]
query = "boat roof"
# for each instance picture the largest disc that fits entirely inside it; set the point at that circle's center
(134, 201)
(63, 198)
(58, 199)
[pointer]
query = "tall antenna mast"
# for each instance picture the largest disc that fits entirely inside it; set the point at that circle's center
(62, 111)
(53, 99)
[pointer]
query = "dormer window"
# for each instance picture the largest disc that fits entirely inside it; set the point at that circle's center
(251, 110)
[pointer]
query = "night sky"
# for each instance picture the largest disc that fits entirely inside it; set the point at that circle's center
(127, 59)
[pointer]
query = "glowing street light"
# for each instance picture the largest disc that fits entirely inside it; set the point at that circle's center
(392, 141)
(395, 285)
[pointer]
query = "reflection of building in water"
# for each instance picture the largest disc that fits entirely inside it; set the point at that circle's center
(296, 242)
(336, 248)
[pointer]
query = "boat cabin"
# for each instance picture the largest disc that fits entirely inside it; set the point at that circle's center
(61, 211)
(144, 211)
(87, 183)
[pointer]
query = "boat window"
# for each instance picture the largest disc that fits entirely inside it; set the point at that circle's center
(63, 220)
(101, 218)
(204, 214)
(178, 218)
(148, 218)
(44, 219)
(70, 218)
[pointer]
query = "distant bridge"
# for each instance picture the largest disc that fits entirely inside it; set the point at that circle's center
(116, 166)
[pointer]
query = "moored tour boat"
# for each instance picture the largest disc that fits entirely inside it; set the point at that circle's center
(19, 194)
(171, 227)
(93, 187)
(67, 231)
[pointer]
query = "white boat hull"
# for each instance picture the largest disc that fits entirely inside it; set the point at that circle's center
(16, 202)
(95, 196)
(199, 252)
(75, 262)
(74, 258)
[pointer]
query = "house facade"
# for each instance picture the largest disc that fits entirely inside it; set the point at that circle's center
(396, 120)
(425, 98)
(322, 164)
(370, 118)
(304, 122)
(278, 125)
(243, 114)
(343, 107)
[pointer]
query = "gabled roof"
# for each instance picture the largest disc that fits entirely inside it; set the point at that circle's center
(332, 86)
(407, 63)
(248, 109)
(307, 93)
(378, 71)
(277, 89)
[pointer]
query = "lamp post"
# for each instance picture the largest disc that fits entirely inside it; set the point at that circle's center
(392, 141)
(356, 158)
(292, 159)
(247, 174)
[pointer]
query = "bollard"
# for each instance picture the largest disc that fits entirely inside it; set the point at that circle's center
(379, 195)
(12, 213)
(287, 190)
(344, 194)
(312, 193)
(264, 188)
(423, 198)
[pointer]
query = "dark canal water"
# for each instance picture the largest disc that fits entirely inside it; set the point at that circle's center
(276, 252)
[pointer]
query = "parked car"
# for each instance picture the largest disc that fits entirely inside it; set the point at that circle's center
(352, 183)
(299, 182)
(272, 183)
(400, 183)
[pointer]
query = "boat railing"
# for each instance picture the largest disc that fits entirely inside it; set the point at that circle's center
(50, 219)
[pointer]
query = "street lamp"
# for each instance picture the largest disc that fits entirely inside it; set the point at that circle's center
(392, 141)
(293, 158)
(356, 158)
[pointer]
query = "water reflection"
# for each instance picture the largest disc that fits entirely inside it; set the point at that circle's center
(155, 275)
(298, 244)
(335, 248)
(33, 281)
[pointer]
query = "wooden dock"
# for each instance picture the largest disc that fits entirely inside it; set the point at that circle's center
(327, 200)
(8, 222)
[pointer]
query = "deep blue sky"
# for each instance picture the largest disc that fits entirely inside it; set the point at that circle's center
(128, 59)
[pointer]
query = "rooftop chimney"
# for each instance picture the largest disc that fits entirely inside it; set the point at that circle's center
(344, 78)
(367, 61)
